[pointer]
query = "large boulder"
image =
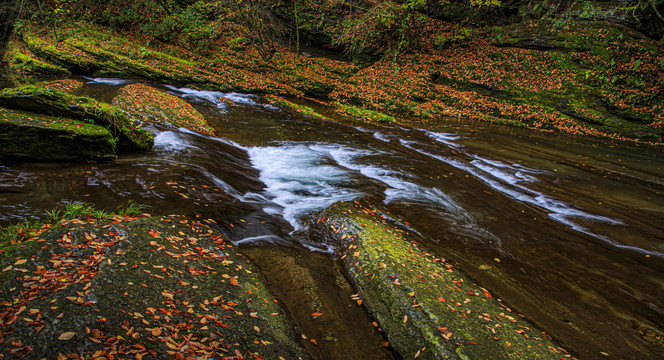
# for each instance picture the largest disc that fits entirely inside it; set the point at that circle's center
(137, 287)
(427, 307)
(38, 137)
(152, 105)
(131, 136)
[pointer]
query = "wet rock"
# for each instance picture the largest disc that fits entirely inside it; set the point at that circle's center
(46, 138)
(427, 308)
(152, 105)
(131, 136)
(137, 287)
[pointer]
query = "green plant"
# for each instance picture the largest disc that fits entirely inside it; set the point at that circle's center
(132, 209)
(65, 211)
(54, 215)
(17, 232)
(76, 209)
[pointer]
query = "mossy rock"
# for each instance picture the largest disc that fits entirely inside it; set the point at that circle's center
(302, 109)
(47, 138)
(152, 105)
(21, 62)
(364, 114)
(427, 307)
(163, 287)
(65, 85)
(131, 136)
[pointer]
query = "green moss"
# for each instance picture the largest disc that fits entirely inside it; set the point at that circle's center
(420, 300)
(364, 114)
(306, 110)
(22, 62)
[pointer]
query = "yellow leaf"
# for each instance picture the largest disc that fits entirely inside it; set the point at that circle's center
(66, 335)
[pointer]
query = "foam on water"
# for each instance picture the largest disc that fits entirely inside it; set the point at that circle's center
(300, 180)
(445, 138)
(382, 137)
(215, 96)
(171, 141)
(513, 180)
(107, 81)
(401, 189)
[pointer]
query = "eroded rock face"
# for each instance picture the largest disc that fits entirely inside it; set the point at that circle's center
(428, 309)
(46, 138)
(131, 136)
(137, 287)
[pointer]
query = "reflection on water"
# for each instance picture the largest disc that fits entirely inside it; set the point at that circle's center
(575, 224)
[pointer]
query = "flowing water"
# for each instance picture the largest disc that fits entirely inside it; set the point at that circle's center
(570, 229)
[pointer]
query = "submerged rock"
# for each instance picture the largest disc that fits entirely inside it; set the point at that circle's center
(428, 308)
(152, 105)
(131, 136)
(38, 137)
(137, 287)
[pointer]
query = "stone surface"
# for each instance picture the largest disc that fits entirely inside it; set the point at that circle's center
(46, 138)
(131, 136)
(138, 287)
(427, 307)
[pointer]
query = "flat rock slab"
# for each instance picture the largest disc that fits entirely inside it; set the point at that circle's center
(137, 287)
(428, 309)
(47, 138)
(131, 136)
(155, 106)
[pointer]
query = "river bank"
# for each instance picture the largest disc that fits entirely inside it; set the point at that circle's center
(540, 74)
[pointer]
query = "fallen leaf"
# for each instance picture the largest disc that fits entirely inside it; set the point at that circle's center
(66, 336)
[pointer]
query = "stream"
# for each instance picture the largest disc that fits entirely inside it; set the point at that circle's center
(568, 230)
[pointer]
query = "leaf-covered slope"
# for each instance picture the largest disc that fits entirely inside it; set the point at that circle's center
(152, 105)
(574, 76)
